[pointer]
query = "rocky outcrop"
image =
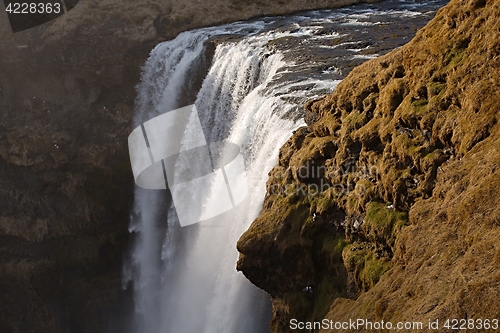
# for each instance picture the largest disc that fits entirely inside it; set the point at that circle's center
(384, 206)
(67, 91)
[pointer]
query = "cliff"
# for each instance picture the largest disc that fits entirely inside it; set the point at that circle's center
(385, 206)
(67, 91)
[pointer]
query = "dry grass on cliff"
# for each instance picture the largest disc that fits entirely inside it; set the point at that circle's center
(446, 107)
(422, 125)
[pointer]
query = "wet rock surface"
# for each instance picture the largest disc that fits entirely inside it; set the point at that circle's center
(401, 222)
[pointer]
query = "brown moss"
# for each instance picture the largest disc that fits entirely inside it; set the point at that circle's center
(416, 158)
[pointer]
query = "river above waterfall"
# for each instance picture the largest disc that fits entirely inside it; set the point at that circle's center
(249, 81)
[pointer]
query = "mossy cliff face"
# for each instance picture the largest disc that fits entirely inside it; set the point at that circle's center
(385, 206)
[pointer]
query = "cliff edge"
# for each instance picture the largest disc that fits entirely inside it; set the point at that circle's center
(385, 206)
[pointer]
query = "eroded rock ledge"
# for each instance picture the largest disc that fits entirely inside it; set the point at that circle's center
(385, 206)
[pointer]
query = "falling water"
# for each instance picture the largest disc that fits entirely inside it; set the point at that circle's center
(184, 278)
(193, 286)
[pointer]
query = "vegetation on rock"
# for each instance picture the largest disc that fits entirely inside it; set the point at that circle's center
(404, 165)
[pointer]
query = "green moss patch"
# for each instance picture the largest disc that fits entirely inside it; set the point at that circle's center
(353, 121)
(362, 261)
(436, 89)
(382, 223)
(457, 53)
(419, 106)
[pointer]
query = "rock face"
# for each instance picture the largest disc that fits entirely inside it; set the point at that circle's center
(385, 206)
(67, 90)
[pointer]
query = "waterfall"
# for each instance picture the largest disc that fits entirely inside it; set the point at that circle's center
(184, 278)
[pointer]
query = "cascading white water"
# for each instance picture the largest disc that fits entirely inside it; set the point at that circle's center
(240, 111)
(193, 286)
(185, 279)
